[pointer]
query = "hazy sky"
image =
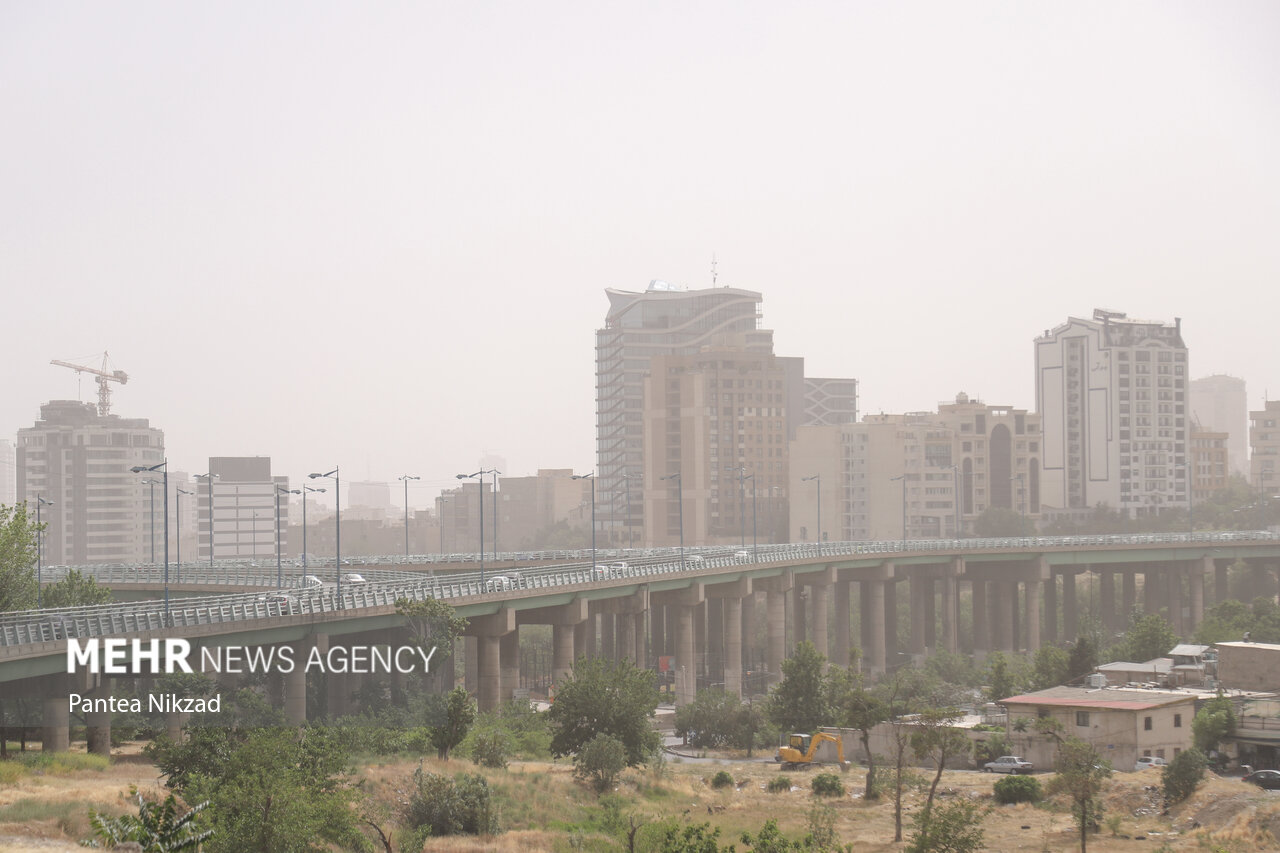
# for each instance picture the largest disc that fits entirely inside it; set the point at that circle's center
(377, 235)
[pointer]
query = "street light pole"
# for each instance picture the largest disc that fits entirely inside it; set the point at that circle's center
(817, 477)
(592, 478)
(281, 490)
(337, 516)
(40, 501)
(479, 475)
(680, 502)
(177, 517)
(305, 489)
(903, 478)
(494, 492)
(406, 478)
(209, 478)
(163, 468)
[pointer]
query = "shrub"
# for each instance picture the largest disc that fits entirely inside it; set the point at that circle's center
(490, 748)
(443, 806)
(1180, 779)
(778, 785)
(723, 779)
(827, 785)
(1018, 789)
(600, 761)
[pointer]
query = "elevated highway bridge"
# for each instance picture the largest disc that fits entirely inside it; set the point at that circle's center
(700, 614)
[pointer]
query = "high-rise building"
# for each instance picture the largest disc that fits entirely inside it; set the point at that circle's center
(1209, 453)
(1264, 449)
(830, 401)
(898, 475)
(528, 507)
(8, 473)
(1219, 403)
(1113, 398)
(715, 418)
(80, 461)
(243, 509)
(662, 320)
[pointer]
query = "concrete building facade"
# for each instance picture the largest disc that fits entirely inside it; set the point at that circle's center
(81, 461)
(1112, 394)
(242, 515)
(1264, 448)
(1210, 462)
(830, 402)
(8, 473)
(529, 506)
(1219, 404)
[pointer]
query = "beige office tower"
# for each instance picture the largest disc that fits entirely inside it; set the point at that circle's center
(1209, 467)
(712, 420)
(80, 461)
(1264, 450)
(662, 320)
(1219, 404)
(892, 476)
(1113, 398)
(245, 522)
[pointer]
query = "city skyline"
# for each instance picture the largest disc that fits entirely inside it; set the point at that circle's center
(381, 241)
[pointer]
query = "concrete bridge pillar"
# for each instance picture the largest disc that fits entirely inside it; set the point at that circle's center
(580, 638)
(1070, 607)
(820, 595)
(864, 617)
(1174, 592)
(562, 637)
(686, 670)
(1151, 590)
(728, 598)
(608, 635)
(713, 661)
(509, 650)
(891, 620)
(995, 614)
(471, 664)
(98, 723)
(1049, 625)
(877, 652)
(1197, 596)
(1108, 614)
(641, 653)
(950, 628)
(840, 650)
(915, 586)
(752, 653)
(658, 630)
(489, 631)
(1007, 592)
(775, 589)
(1128, 599)
(930, 616)
(56, 722)
(1034, 595)
(1221, 587)
(799, 598)
(981, 624)
(295, 686)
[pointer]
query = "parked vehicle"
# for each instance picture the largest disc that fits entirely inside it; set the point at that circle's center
(1146, 761)
(801, 750)
(1008, 764)
(1269, 779)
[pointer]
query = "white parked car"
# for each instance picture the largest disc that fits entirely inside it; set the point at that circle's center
(353, 577)
(1008, 764)
(1145, 761)
(498, 583)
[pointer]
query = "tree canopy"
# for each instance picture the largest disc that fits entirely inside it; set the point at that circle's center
(17, 558)
(605, 697)
(800, 701)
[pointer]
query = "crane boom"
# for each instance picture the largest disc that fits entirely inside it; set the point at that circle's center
(102, 376)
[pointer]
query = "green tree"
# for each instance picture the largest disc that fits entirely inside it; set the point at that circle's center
(1052, 667)
(604, 697)
(937, 739)
(715, 719)
(281, 790)
(433, 624)
(954, 827)
(75, 590)
(157, 827)
(861, 708)
(1149, 636)
(600, 761)
(1182, 776)
(1017, 789)
(1084, 657)
(451, 716)
(17, 558)
(800, 701)
(438, 806)
(1081, 772)
(1213, 723)
(1005, 677)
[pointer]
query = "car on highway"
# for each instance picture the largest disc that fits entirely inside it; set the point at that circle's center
(695, 560)
(618, 569)
(1145, 761)
(1269, 779)
(498, 583)
(312, 581)
(353, 577)
(287, 602)
(742, 556)
(1008, 764)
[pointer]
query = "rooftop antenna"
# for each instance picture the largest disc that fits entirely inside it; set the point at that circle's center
(713, 269)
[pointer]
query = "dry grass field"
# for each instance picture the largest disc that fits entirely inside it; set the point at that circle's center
(544, 809)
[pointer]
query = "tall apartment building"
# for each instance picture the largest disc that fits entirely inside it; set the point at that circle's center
(81, 461)
(528, 506)
(714, 418)
(830, 401)
(1264, 448)
(243, 509)
(8, 473)
(1219, 403)
(1112, 396)
(662, 320)
(895, 475)
(1209, 453)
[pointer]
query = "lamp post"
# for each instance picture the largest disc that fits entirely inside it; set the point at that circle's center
(903, 478)
(680, 502)
(40, 501)
(627, 478)
(742, 502)
(305, 489)
(151, 524)
(177, 517)
(281, 490)
(406, 478)
(592, 478)
(163, 468)
(494, 492)
(337, 524)
(479, 475)
(817, 477)
(209, 478)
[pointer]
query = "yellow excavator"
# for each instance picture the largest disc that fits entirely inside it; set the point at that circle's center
(801, 749)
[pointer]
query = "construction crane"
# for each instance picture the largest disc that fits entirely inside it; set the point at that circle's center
(103, 376)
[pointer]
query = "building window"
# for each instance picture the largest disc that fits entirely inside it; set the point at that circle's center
(1082, 719)
(1177, 721)
(1146, 724)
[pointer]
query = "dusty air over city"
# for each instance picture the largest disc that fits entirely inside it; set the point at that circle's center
(682, 353)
